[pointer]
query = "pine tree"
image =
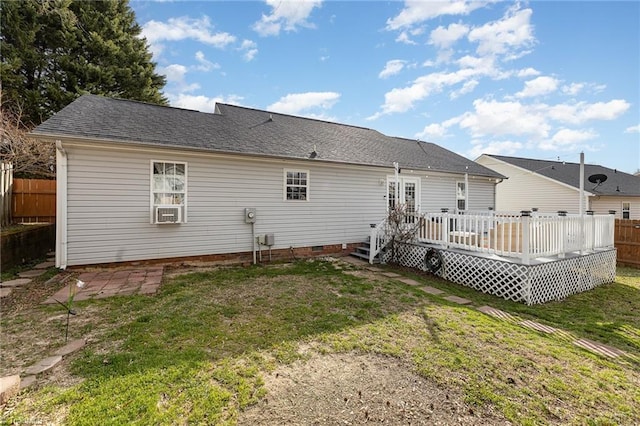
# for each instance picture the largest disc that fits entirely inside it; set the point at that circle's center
(55, 50)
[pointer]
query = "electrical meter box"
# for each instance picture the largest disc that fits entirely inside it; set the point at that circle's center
(250, 215)
(269, 239)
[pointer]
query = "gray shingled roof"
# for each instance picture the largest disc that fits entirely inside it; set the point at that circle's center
(234, 129)
(618, 183)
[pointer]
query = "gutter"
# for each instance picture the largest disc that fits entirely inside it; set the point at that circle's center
(61, 206)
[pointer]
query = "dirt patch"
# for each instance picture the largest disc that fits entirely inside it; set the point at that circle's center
(349, 389)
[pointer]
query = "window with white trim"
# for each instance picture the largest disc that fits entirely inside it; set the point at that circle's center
(296, 183)
(461, 196)
(168, 190)
(626, 210)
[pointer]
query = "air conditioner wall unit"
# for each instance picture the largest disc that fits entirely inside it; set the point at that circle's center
(168, 214)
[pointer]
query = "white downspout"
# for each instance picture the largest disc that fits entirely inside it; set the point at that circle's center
(397, 170)
(61, 206)
(466, 191)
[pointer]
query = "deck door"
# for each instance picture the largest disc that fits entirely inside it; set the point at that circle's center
(409, 193)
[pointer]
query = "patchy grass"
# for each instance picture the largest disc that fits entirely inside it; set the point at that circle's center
(196, 352)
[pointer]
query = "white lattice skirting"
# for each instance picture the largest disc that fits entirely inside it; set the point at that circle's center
(531, 284)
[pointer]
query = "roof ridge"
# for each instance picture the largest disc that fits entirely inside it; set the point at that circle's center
(301, 117)
(135, 101)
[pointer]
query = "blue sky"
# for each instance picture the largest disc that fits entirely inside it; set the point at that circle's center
(539, 79)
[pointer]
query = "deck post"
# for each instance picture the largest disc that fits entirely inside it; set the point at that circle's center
(592, 242)
(563, 232)
(525, 215)
(445, 227)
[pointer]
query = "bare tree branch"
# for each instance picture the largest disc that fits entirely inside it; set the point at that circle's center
(30, 157)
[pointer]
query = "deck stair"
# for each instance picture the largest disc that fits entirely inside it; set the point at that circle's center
(362, 251)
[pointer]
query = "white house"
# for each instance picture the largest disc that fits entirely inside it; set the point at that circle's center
(138, 181)
(552, 186)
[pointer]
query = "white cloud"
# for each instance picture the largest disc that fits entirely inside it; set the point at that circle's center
(392, 67)
(184, 28)
(527, 72)
(200, 102)
(444, 37)
(582, 111)
(400, 100)
(504, 118)
(298, 103)
(203, 63)
(506, 35)
(285, 15)
(538, 87)
(571, 136)
(572, 89)
(403, 37)
(175, 74)
(495, 148)
(433, 131)
(633, 129)
(467, 87)
(417, 11)
(250, 49)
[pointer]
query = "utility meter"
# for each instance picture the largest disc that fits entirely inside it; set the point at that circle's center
(249, 215)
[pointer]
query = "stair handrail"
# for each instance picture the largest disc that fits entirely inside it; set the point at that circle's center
(377, 239)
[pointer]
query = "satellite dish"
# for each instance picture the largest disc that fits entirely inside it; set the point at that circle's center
(598, 179)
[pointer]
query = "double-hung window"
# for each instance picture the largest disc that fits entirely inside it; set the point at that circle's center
(626, 210)
(168, 191)
(461, 196)
(296, 183)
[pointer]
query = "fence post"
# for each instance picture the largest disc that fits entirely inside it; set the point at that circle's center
(525, 215)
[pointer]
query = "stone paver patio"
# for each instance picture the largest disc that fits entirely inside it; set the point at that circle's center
(106, 283)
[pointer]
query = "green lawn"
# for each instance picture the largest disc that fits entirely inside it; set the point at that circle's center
(196, 352)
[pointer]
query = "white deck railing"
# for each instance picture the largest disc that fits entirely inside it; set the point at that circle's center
(377, 239)
(518, 235)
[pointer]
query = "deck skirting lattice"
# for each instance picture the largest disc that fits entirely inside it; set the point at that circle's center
(532, 284)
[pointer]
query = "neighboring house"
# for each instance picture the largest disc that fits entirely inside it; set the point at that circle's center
(551, 186)
(138, 181)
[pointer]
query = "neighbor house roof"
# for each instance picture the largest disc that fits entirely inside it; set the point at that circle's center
(240, 130)
(617, 183)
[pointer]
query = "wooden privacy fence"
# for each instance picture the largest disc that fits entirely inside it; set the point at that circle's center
(33, 200)
(6, 183)
(627, 241)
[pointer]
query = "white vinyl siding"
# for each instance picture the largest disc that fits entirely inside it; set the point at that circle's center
(602, 205)
(439, 192)
(108, 203)
(524, 190)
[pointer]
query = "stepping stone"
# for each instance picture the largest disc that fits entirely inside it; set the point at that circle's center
(9, 387)
(599, 348)
(391, 274)
(45, 265)
(538, 327)
(15, 283)
(32, 274)
(409, 281)
(432, 290)
(458, 300)
(44, 365)
(496, 313)
(374, 269)
(74, 345)
(27, 382)
(5, 292)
